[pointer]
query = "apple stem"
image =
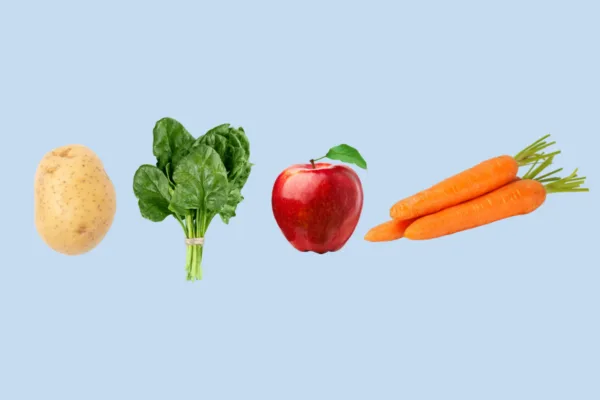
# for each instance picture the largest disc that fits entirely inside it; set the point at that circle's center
(316, 159)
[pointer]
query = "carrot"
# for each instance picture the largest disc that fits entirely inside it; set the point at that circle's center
(388, 231)
(471, 183)
(517, 198)
(393, 229)
(461, 187)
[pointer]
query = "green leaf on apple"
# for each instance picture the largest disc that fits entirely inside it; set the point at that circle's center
(347, 154)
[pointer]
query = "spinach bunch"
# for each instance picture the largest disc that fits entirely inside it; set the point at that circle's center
(193, 181)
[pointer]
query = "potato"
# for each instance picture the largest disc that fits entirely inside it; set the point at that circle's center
(75, 201)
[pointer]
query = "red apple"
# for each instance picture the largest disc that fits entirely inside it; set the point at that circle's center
(317, 206)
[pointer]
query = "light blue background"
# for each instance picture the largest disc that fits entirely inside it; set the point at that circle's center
(509, 311)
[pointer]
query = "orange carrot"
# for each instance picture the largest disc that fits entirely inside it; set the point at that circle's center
(393, 229)
(517, 198)
(388, 231)
(471, 183)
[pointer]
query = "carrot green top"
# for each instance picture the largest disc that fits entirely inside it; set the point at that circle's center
(533, 153)
(553, 183)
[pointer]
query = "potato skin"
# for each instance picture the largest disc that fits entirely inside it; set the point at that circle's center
(75, 200)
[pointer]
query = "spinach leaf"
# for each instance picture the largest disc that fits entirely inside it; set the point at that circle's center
(151, 187)
(234, 198)
(219, 129)
(200, 182)
(172, 142)
(235, 158)
(215, 139)
(223, 139)
(234, 149)
(241, 135)
(243, 175)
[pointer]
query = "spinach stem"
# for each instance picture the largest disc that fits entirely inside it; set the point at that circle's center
(189, 265)
(189, 221)
(198, 250)
(196, 225)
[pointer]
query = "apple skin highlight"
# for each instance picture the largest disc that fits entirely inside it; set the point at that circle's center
(317, 208)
